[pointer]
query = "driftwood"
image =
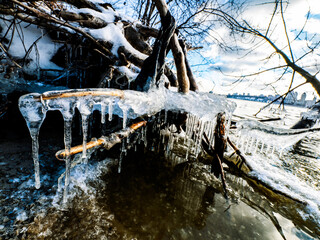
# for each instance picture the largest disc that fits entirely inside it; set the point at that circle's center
(45, 17)
(146, 31)
(85, 20)
(135, 39)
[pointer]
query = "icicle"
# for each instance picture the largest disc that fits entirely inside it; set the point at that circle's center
(128, 140)
(120, 162)
(251, 144)
(110, 111)
(145, 137)
(241, 144)
(85, 136)
(165, 116)
(281, 153)
(169, 144)
(267, 149)
(35, 156)
(188, 149)
(256, 147)
(33, 112)
(163, 138)
(124, 119)
(262, 146)
(122, 151)
(67, 144)
(123, 147)
(199, 135)
(273, 147)
(247, 144)
(238, 139)
(190, 125)
(211, 136)
(103, 113)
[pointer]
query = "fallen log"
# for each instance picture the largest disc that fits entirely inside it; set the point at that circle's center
(135, 39)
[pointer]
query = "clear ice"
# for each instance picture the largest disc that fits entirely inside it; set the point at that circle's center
(267, 138)
(34, 113)
(201, 109)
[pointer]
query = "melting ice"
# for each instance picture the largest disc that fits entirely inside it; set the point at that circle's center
(264, 146)
(126, 104)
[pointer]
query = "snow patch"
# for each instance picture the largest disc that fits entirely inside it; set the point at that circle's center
(42, 49)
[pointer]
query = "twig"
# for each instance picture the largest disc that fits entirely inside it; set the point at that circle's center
(106, 142)
(9, 56)
(278, 98)
(237, 151)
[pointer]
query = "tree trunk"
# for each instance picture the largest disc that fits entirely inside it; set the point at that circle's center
(193, 84)
(177, 52)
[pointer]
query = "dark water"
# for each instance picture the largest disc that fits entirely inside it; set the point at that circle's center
(150, 201)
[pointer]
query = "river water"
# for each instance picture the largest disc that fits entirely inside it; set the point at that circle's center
(149, 200)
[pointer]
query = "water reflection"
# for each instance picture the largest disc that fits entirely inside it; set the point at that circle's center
(149, 201)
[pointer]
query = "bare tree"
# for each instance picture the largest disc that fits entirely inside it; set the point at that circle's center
(262, 37)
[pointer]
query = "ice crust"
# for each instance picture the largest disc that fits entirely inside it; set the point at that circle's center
(255, 136)
(202, 109)
(264, 146)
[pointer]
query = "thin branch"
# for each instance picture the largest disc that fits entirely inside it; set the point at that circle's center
(291, 82)
(286, 32)
(273, 14)
(9, 56)
(276, 99)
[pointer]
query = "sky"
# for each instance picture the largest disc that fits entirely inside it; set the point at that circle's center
(225, 67)
(218, 71)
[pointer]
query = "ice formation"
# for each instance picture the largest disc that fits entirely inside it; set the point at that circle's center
(254, 136)
(201, 109)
